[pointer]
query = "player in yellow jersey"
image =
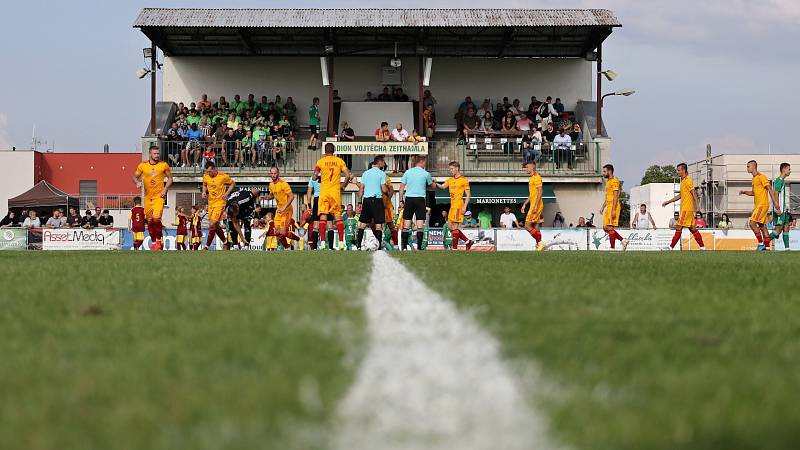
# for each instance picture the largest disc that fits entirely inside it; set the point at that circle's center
(534, 203)
(217, 186)
(329, 169)
(689, 205)
(761, 193)
(611, 207)
(150, 175)
(281, 192)
(460, 196)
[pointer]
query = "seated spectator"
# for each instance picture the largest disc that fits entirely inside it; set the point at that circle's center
(209, 154)
(508, 124)
(193, 138)
(558, 220)
(279, 149)
(348, 134)
(582, 223)
(524, 123)
(415, 137)
(549, 134)
(558, 106)
(562, 149)
(385, 96)
(506, 103)
(233, 105)
(531, 150)
(499, 113)
(106, 220)
(469, 221)
(471, 122)
(221, 104)
(10, 220)
(536, 135)
(516, 109)
(725, 222)
(533, 107)
(33, 222)
(401, 96)
(673, 222)
(466, 104)
(290, 109)
(53, 221)
(204, 104)
(230, 145)
(508, 220)
(73, 219)
(370, 97)
(247, 150)
(698, 220)
(97, 211)
(88, 221)
(485, 107)
(233, 121)
(399, 134)
(487, 123)
(205, 127)
(382, 133)
(429, 120)
(576, 135)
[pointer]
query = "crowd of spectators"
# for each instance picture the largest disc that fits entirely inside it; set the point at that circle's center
(234, 132)
(29, 218)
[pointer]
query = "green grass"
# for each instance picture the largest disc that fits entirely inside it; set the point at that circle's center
(645, 351)
(175, 351)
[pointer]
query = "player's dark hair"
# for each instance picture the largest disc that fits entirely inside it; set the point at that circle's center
(685, 167)
(455, 164)
(154, 147)
(384, 124)
(784, 165)
(609, 168)
(529, 163)
(137, 200)
(419, 158)
(377, 159)
(329, 148)
(753, 161)
(210, 164)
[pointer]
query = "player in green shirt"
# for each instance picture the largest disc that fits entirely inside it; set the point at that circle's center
(485, 220)
(350, 227)
(313, 123)
(781, 192)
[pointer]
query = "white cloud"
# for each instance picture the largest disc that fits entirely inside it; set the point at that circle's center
(5, 140)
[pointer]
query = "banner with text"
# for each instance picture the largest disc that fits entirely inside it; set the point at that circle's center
(638, 240)
(13, 239)
(381, 148)
(556, 239)
(80, 239)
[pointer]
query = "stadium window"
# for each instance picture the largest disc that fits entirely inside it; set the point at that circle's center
(87, 193)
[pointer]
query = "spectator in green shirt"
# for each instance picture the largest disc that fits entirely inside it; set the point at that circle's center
(290, 109)
(469, 221)
(247, 149)
(278, 103)
(485, 219)
(313, 123)
(233, 105)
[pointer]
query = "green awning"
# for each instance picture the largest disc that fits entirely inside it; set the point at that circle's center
(499, 193)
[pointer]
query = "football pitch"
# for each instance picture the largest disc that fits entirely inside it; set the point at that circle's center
(212, 350)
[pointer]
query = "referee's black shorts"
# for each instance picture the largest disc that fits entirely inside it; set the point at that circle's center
(414, 206)
(372, 211)
(315, 210)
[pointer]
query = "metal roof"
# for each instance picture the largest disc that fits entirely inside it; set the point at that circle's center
(370, 18)
(376, 32)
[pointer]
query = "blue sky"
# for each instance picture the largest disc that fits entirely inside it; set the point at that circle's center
(715, 71)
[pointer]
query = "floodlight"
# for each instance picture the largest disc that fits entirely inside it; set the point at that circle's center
(609, 74)
(625, 92)
(328, 49)
(395, 62)
(141, 73)
(147, 52)
(323, 64)
(426, 71)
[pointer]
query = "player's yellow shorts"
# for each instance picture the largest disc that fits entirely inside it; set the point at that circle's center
(535, 214)
(195, 239)
(180, 239)
(388, 209)
(607, 221)
(153, 207)
(215, 211)
(455, 215)
(760, 214)
(330, 205)
(138, 235)
(686, 219)
(283, 219)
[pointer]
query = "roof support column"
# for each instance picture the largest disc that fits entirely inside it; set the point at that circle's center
(153, 69)
(331, 112)
(599, 114)
(420, 123)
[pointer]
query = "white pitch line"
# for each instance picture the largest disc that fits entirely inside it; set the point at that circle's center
(432, 379)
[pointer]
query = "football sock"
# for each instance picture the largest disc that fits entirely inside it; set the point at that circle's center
(455, 239)
(210, 238)
(330, 238)
(536, 235)
(766, 240)
(158, 226)
(313, 241)
(758, 236)
(150, 231)
(420, 234)
(359, 237)
(406, 236)
(675, 238)
(221, 234)
(698, 238)
(786, 240)
(284, 242)
(323, 225)
(394, 237)
(137, 244)
(340, 229)
(379, 236)
(462, 236)
(612, 239)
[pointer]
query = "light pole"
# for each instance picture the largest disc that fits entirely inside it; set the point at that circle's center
(150, 54)
(623, 92)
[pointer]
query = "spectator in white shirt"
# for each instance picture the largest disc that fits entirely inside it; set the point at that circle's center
(546, 112)
(32, 221)
(57, 220)
(642, 220)
(399, 134)
(673, 223)
(562, 145)
(508, 219)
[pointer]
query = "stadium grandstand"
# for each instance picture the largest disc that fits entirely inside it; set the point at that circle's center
(489, 88)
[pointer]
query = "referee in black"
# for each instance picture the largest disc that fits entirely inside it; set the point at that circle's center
(370, 193)
(414, 186)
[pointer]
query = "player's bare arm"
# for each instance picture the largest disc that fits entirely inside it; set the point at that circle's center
(652, 222)
(442, 185)
(137, 180)
(614, 205)
(525, 205)
(602, 207)
(696, 200)
(747, 193)
(402, 191)
(204, 193)
(672, 200)
(467, 198)
(167, 185)
(230, 188)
